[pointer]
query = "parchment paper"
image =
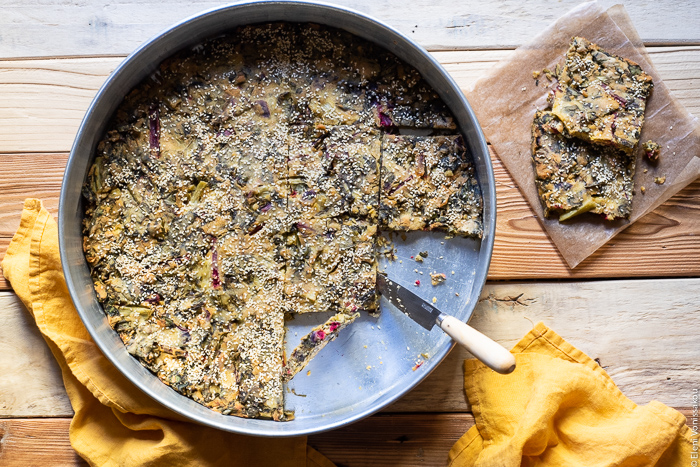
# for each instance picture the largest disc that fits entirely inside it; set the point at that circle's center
(505, 102)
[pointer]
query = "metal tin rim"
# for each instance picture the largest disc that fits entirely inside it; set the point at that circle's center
(73, 262)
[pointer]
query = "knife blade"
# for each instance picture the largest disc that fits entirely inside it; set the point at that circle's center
(407, 302)
(488, 351)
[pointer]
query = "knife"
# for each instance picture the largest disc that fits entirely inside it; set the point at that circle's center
(488, 351)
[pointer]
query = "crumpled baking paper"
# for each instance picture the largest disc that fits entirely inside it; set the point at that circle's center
(505, 102)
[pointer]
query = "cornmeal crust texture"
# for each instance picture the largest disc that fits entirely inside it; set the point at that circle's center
(244, 182)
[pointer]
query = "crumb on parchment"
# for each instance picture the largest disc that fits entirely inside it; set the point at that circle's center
(660, 180)
(651, 150)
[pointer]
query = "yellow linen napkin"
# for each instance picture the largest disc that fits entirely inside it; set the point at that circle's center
(114, 422)
(560, 408)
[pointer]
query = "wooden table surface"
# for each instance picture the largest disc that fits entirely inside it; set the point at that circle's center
(632, 305)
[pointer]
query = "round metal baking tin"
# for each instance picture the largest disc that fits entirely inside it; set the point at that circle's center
(376, 360)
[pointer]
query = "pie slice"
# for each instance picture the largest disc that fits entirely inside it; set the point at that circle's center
(330, 266)
(454, 202)
(422, 110)
(601, 97)
(333, 172)
(259, 348)
(330, 91)
(400, 97)
(428, 183)
(574, 176)
(258, 161)
(314, 341)
(312, 193)
(351, 263)
(353, 156)
(249, 260)
(265, 50)
(307, 287)
(404, 183)
(232, 365)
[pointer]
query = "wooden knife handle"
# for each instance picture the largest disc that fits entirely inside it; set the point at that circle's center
(488, 351)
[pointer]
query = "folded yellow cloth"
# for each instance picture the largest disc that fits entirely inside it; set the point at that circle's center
(560, 408)
(114, 422)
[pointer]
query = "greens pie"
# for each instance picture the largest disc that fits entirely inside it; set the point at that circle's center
(583, 148)
(244, 182)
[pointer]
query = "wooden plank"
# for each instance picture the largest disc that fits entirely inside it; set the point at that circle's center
(640, 330)
(401, 440)
(664, 243)
(31, 383)
(23, 176)
(4, 243)
(37, 442)
(42, 101)
(398, 440)
(28, 175)
(408, 440)
(394, 439)
(54, 27)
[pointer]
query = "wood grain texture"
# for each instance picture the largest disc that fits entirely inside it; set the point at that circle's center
(86, 27)
(640, 330)
(28, 175)
(637, 329)
(44, 100)
(4, 242)
(665, 242)
(35, 442)
(394, 439)
(31, 383)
